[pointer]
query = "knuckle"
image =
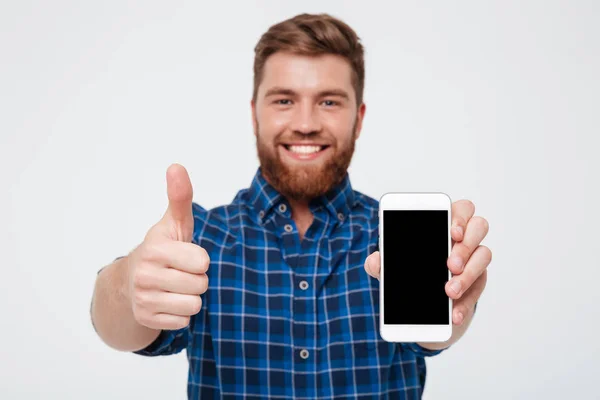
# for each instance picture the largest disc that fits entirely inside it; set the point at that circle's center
(197, 305)
(204, 259)
(461, 221)
(465, 309)
(486, 224)
(469, 204)
(486, 253)
(135, 279)
(140, 299)
(135, 310)
(480, 223)
(142, 278)
(145, 319)
(144, 300)
(147, 250)
(462, 249)
(153, 251)
(182, 322)
(203, 284)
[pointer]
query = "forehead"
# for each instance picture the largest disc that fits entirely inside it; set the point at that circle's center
(305, 74)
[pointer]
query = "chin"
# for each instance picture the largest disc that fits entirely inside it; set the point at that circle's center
(304, 178)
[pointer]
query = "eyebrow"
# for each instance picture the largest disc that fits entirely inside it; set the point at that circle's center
(285, 91)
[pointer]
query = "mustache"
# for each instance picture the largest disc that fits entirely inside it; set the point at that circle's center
(304, 137)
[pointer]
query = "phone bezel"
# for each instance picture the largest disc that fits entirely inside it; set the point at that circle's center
(413, 201)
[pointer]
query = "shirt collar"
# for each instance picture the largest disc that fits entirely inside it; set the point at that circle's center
(264, 198)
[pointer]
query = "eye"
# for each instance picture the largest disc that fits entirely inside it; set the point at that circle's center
(331, 102)
(279, 102)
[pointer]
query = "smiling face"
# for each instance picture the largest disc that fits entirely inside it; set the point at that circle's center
(306, 121)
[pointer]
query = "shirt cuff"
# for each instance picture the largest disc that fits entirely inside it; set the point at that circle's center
(167, 342)
(422, 351)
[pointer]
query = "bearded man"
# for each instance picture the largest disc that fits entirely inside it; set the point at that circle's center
(276, 294)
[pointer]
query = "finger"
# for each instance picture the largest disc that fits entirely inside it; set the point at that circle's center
(477, 229)
(172, 280)
(180, 195)
(466, 304)
(373, 265)
(462, 211)
(175, 303)
(188, 257)
(167, 321)
(176, 281)
(476, 265)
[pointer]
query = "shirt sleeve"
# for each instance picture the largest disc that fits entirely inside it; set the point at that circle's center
(422, 351)
(167, 343)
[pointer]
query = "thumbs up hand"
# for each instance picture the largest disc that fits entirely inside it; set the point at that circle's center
(166, 272)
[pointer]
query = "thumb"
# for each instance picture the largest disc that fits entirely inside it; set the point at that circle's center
(180, 194)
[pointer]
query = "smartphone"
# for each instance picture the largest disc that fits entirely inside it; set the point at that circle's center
(414, 245)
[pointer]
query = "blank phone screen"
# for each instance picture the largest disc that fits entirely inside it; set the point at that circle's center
(415, 251)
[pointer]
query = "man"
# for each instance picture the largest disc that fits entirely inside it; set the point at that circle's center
(286, 309)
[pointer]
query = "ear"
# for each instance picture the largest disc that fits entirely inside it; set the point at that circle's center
(360, 115)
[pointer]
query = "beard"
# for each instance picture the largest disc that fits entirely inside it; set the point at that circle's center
(304, 183)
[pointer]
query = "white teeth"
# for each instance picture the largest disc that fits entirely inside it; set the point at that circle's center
(305, 149)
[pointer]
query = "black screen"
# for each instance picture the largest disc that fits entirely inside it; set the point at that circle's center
(415, 251)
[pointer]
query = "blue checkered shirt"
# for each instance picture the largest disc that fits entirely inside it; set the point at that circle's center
(290, 318)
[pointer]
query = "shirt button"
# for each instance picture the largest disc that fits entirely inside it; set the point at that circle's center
(282, 207)
(303, 285)
(304, 354)
(288, 228)
(340, 216)
(261, 214)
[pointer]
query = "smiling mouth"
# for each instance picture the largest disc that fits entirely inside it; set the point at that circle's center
(304, 150)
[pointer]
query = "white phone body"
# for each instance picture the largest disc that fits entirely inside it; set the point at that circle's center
(414, 306)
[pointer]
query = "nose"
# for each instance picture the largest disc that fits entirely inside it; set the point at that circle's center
(306, 119)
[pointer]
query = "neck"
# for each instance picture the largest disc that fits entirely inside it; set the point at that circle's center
(301, 215)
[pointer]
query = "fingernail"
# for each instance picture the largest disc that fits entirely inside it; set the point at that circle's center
(459, 229)
(456, 261)
(460, 318)
(455, 285)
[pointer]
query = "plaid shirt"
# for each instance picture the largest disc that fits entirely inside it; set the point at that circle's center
(285, 318)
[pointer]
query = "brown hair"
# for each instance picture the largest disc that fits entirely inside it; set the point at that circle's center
(312, 34)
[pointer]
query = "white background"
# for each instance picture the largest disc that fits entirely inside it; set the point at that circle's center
(493, 102)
